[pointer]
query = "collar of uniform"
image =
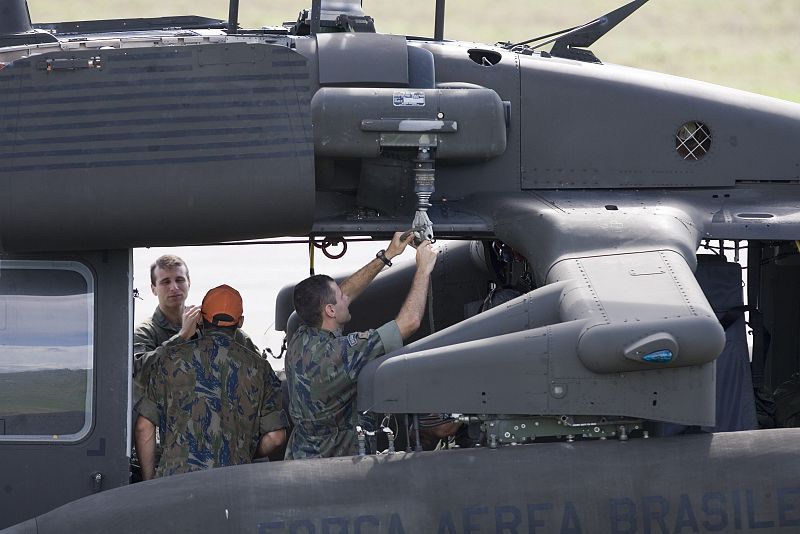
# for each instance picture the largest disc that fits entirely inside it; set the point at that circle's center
(161, 320)
(314, 329)
(216, 331)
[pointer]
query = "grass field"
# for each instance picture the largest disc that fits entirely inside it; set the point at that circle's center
(37, 392)
(747, 44)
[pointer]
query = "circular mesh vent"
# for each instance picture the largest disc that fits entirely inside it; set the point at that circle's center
(693, 140)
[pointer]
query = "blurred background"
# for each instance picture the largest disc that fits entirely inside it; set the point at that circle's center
(746, 44)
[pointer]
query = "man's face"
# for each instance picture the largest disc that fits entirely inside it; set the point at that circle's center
(171, 287)
(342, 306)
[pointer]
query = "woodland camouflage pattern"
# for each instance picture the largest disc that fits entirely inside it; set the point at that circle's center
(212, 398)
(321, 373)
(157, 331)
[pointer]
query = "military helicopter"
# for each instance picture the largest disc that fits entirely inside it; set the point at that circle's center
(579, 188)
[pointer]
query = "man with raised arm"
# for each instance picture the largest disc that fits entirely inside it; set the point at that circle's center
(170, 283)
(322, 364)
(212, 397)
(172, 322)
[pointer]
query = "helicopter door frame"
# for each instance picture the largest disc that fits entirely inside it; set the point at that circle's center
(65, 363)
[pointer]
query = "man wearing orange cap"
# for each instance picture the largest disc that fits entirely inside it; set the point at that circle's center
(212, 396)
(173, 322)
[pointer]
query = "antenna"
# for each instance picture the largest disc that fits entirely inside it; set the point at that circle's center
(316, 13)
(438, 27)
(233, 16)
(574, 44)
(15, 17)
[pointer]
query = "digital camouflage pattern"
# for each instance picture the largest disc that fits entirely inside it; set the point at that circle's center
(212, 399)
(321, 373)
(151, 337)
(157, 331)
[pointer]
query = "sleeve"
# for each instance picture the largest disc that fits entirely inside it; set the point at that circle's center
(148, 404)
(391, 337)
(146, 363)
(145, 347)
(276, 387)
(273, 417)
(358, 348)
(241, 337)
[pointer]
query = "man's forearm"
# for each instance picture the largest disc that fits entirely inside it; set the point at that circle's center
(358, 281)
(145, 437)
(355, 284)
(410, 316)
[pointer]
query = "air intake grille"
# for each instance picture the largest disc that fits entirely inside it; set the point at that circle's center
(693, 140)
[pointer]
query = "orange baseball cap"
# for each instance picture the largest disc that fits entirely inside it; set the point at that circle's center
(222, 306)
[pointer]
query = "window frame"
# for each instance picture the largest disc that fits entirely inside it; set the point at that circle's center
(89, 401)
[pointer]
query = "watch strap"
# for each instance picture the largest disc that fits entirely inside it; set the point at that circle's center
(381, 255)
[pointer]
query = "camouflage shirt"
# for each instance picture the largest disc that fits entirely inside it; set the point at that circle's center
(321, 373)
(159, 332)
(212, 399)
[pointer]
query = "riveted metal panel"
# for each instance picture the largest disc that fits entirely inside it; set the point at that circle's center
(132, 147)
(362, 59)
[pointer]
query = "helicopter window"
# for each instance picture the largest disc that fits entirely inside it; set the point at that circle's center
(693, 140)
(46, 350)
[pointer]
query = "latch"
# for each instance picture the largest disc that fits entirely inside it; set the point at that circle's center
(97, 481)
(50, 65)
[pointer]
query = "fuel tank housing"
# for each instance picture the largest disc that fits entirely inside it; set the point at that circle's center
(461, 123)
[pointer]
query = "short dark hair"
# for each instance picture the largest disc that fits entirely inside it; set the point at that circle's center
(167, 261)
(311, 295)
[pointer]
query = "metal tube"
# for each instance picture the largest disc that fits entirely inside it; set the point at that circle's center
(438, 28)
(233, 16)
(418, 444)
(316, 13)
(408, 435)
(758, 362)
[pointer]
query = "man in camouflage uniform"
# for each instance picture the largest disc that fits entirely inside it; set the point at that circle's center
(170, 283)
(212, 397)
(172, 323)
(322, 364)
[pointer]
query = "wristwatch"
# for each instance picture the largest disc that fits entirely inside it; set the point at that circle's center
(381, 255)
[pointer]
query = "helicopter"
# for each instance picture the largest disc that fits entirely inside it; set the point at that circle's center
(572, 328)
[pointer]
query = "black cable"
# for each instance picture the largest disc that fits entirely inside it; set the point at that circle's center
(542, 37)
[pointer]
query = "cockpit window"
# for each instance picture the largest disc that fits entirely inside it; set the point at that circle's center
(46, 350)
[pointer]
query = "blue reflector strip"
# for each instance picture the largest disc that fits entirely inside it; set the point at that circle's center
(659, 356)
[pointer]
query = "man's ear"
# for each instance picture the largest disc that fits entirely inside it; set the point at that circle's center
(241, 321)
(153, 289)
(330, 310)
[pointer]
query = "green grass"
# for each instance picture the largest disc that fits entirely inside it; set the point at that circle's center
(36, 392)
(746, 44)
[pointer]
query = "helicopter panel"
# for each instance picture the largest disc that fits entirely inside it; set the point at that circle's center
(693, 134)
(105, 126)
